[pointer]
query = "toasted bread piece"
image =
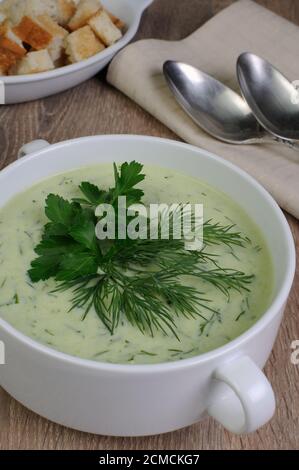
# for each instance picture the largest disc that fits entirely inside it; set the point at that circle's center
(117, 21)
(3, 17)
(51, 26)
(66, 10)
(4, 7)
(3, 71)
(62, 61)
(37, 7)
(82, 44)
(12, 46)
(34, 62)
(32, 33)
(85, 10)
(59, 10)
(104, 28)
(15, 10)
(7, 60)
(9, 40)
(56, 46)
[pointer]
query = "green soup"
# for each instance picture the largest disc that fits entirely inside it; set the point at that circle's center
(44, 316)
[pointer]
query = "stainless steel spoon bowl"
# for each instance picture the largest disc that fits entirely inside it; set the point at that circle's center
(270, 95)
(213, 106)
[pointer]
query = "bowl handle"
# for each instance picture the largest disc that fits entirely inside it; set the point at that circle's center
(32, 147)
(242, 398)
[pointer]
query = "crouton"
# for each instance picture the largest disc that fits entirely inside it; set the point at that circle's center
(85, 10)
(4, 5)
(9, 40)
(66, 10)
(3, 17)
(59, 10)
(56, 46)
(4, 8)
(32, 33)
(6, 43)
(15, 10)
(34, 62)
(46, 22)
(37, 7)
(82, 44)
(7, 60)
(3, 71)
(117, 21)
(104, 28)
(62, 61)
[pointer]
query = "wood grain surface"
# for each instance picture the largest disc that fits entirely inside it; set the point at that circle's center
(96, 108)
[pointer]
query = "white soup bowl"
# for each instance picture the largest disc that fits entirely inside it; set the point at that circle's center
(131, 400)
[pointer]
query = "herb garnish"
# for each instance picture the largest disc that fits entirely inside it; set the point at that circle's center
(142, 279)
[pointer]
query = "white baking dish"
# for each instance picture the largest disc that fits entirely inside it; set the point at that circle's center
(20, 88)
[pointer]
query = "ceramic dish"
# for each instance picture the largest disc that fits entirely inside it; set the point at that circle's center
(21, 88)
(130, 400)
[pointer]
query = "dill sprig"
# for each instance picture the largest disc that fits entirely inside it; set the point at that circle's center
(145, 280)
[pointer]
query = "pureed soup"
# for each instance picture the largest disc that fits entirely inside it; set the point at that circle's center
(34, 309)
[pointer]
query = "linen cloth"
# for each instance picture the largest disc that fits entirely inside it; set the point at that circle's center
(214, 48)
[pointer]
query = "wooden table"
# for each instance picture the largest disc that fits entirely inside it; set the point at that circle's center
(96, 108)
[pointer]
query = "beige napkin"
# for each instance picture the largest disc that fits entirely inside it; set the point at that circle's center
(214, 48)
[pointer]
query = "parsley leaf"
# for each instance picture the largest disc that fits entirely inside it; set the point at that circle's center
(125, 180)
(83, 232)
(76, 265)
(43, 267)
(92, 193)
(60, 211)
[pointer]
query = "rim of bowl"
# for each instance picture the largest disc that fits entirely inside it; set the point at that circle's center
(273, 309)
(68, 69)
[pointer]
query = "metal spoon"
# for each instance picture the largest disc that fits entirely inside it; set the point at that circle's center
(213, 106)
(216, 108)
(271, 96)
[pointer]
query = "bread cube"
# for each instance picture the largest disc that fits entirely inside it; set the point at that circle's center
(104, 28)
(34, 62)
(59, 10)
(3, 17)
(3, 71)
(9, 40)
(85, 10)
(15, 10)
(58, 34)
(29, 31)
(65, 11)
(82, 44)
(115, 20)
(7, 60)
(45, 7)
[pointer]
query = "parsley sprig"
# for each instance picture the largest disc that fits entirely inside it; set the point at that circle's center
(144, 280)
